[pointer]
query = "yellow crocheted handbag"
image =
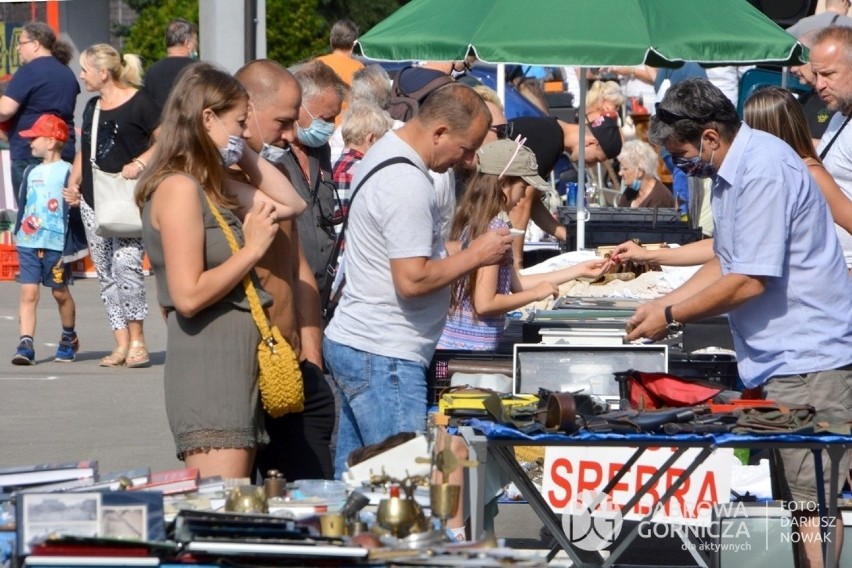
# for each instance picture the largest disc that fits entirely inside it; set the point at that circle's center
(280, 381)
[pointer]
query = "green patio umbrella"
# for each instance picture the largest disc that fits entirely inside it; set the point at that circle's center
(588, 33)
(583, 33)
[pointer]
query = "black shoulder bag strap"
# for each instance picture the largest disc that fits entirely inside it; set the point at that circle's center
(338, 243)
(828, 146)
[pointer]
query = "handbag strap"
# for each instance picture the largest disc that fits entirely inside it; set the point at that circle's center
(828, 146)
(331, 269)
(94, 143)
(257, 312)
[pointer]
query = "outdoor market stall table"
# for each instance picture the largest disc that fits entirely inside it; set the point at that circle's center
(492, 442)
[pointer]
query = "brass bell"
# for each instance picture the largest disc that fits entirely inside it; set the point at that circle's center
(246, 499)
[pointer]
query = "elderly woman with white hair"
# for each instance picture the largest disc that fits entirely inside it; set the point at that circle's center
(363, 124)
(640, 185)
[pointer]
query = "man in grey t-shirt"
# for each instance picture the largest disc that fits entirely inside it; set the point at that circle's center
(398, 274)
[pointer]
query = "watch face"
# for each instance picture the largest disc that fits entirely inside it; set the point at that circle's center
(674, 327)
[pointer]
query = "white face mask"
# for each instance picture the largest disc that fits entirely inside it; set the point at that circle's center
(231, 153)
(270, 153)
(273, 154)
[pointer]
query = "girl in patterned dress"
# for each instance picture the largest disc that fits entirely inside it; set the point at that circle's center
(481, 301)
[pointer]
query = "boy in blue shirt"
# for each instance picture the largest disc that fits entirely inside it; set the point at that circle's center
(40, 236)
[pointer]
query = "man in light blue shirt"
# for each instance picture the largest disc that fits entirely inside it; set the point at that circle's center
(778, 270)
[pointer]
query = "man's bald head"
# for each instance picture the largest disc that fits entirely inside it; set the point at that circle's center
(263, 78)
(275, 96)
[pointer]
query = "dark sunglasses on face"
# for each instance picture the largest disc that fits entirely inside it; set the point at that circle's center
(503, 131)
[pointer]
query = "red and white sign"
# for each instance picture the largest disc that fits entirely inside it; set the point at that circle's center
(570, 471)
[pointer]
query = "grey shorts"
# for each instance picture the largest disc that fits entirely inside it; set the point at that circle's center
(830, 393)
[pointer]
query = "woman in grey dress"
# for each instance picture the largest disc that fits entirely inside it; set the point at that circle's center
(212, 400)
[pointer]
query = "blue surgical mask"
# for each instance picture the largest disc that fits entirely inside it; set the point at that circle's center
(317, 134)
(231, 153)
(634, 186)
(696, 166)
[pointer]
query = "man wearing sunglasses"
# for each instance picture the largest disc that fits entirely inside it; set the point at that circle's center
(778, 270)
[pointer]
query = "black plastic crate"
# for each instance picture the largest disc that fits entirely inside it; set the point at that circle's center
(609, 234)
(632, 215)
(607, 226)
(713, 367)
(438, 376)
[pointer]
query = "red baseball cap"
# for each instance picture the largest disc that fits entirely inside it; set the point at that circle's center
(48, 125)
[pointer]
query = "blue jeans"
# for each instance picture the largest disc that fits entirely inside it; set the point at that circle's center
(379, 396)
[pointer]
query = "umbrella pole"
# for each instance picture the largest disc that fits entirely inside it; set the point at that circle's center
(501, 83)
(581, 165)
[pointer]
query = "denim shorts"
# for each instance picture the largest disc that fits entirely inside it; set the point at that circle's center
(36, 266)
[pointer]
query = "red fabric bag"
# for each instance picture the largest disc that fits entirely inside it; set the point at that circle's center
(650, 391)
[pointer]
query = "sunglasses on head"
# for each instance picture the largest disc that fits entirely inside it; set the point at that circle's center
(669, 117)
(503, 131)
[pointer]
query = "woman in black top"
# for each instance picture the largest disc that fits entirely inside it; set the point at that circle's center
(126, 122)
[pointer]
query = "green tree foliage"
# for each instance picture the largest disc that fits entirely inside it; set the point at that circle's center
(147, 34)
(365, 13)
(295, 30)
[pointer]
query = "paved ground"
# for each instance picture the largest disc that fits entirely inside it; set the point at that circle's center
(53, 412)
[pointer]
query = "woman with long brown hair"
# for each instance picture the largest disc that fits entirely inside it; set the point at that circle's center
(210, 376)
(776, 110)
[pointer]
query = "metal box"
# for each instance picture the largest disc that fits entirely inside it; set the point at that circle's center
(581, 368)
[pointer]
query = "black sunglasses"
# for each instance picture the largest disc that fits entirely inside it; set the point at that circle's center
(503, 131)
(669, 117)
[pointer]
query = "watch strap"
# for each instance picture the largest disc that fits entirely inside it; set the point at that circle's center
(669, 318)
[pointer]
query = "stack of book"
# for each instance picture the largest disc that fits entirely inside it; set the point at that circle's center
(73, 515)
(58, 507)
(20, 477)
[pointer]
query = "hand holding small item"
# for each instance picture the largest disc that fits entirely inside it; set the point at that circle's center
(491, 247)
(649, 322)
(628, 251)
(596, 267)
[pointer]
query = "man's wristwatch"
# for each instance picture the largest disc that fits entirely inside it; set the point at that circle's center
(672, 326)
